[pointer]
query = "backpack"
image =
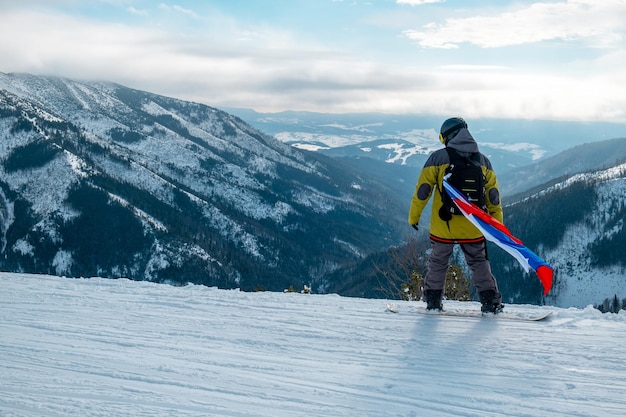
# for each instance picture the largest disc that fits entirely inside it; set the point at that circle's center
(466, 175)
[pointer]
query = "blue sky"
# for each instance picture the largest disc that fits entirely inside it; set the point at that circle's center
(559, 59)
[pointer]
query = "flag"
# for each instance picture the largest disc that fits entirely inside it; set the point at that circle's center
(496, 232)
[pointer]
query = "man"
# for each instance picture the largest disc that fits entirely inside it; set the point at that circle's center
(448, 229)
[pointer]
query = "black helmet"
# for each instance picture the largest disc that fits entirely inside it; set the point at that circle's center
(449, 126)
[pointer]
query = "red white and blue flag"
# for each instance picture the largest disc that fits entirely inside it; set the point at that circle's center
(496, 232)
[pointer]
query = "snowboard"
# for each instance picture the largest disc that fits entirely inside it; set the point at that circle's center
(512, 314)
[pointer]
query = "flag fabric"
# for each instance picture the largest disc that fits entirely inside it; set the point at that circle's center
(496, 232)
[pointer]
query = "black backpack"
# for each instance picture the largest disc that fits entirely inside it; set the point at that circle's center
(466, 175)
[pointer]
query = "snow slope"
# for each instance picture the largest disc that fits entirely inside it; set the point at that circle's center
(99, 347)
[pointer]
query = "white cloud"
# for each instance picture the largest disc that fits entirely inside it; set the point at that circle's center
(137, 12)
(469, 67)
(223, 62)
(597, 22)
(179, 9)
(418, 2)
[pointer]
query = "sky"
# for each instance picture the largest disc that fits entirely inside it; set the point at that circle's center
(554, 60)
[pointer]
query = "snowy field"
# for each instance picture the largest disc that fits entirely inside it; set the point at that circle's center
(97, 347)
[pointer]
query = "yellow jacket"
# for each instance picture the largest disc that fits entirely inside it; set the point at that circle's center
(430, 181)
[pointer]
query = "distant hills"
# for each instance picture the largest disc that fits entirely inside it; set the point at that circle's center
(510, 143)
(587, 157)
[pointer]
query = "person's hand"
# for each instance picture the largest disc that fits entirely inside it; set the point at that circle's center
(414, 226)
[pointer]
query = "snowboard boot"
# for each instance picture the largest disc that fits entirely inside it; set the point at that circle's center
(488, 302)
(433, 299)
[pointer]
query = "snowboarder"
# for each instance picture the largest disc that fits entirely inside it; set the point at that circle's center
(448, 228)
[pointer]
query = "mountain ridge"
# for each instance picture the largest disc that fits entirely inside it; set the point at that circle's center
(512, 140)
(207, 197)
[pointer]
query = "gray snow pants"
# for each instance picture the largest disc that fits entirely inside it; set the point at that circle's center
(476, 258)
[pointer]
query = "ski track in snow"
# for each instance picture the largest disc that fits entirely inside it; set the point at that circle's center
(98, 347)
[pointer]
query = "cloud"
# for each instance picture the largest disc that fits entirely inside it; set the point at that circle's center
(469, 67)
(179, 9)
(224, 62)
(601, 23)
(137, 12)
(418, 2)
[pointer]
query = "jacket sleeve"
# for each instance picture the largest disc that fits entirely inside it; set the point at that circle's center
(426, 183)
(494, 205)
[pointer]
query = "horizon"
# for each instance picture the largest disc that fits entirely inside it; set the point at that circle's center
(556, 60)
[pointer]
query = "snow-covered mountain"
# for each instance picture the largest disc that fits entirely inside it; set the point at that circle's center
(588, 157)
(576, 222)
(581, 232)
(101, 347)
(100, 179)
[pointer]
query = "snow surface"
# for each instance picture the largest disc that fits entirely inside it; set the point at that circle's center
(99, 347)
